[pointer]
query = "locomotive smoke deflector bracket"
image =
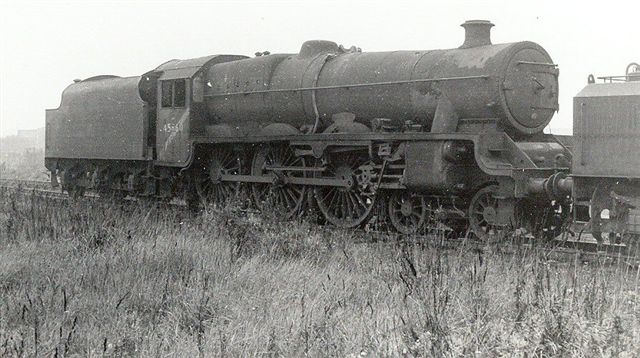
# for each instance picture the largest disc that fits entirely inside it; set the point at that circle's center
(476, 33)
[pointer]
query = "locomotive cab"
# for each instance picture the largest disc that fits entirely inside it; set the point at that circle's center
(176, 91)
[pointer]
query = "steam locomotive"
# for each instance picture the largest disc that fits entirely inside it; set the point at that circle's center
(455, 134)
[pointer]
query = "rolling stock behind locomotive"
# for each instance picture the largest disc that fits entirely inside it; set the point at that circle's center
(606, 165)
(452, 133)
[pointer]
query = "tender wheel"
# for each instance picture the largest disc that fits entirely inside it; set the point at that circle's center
(207, 179)
(346, 207)
(110, 189)
(70, 183)
(407, 212)
(286, 197)
(483, 214)
(632, 242)
(75, 191)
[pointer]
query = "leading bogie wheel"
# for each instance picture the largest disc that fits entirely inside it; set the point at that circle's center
(483, 214)
(407, 212)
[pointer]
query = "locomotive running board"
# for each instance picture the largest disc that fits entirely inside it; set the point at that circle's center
(337, 138)
(484, 144)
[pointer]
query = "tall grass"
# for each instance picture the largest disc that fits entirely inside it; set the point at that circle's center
(90, 277)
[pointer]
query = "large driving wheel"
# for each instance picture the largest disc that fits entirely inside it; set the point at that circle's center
(483, 214)
(346, 207)
(280, 162)
(207, 179)
(407, 212)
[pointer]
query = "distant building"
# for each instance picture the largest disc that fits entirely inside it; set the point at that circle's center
(25, 140)
(31, 133)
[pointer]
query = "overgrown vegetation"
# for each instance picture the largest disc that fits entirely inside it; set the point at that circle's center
(91, 277)
(26, 164)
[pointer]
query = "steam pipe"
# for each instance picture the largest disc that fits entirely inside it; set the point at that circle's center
(555, 187)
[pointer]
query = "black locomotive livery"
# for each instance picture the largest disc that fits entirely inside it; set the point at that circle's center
(455, 134)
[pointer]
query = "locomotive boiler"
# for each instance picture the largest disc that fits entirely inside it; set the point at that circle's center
(516, 83)
(408, 135)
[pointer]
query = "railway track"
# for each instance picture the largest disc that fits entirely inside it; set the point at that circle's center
(23, 183)
(44, 188)
(41, 187)
(554, 250)
(584, 250)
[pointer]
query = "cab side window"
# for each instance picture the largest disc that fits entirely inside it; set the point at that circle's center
(174, 93)
(167, 93)
(179, 93)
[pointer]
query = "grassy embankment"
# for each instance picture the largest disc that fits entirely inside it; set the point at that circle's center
(97, 277)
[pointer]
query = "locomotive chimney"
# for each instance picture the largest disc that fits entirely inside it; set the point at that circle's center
(477, 33)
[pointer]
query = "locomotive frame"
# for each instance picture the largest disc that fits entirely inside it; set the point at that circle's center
(468, 150)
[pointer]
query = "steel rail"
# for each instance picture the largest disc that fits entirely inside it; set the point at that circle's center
(570, 249)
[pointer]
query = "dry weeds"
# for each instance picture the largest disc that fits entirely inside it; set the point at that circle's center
(93, 278)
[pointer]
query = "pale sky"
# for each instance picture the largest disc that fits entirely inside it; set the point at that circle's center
(45, 45)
